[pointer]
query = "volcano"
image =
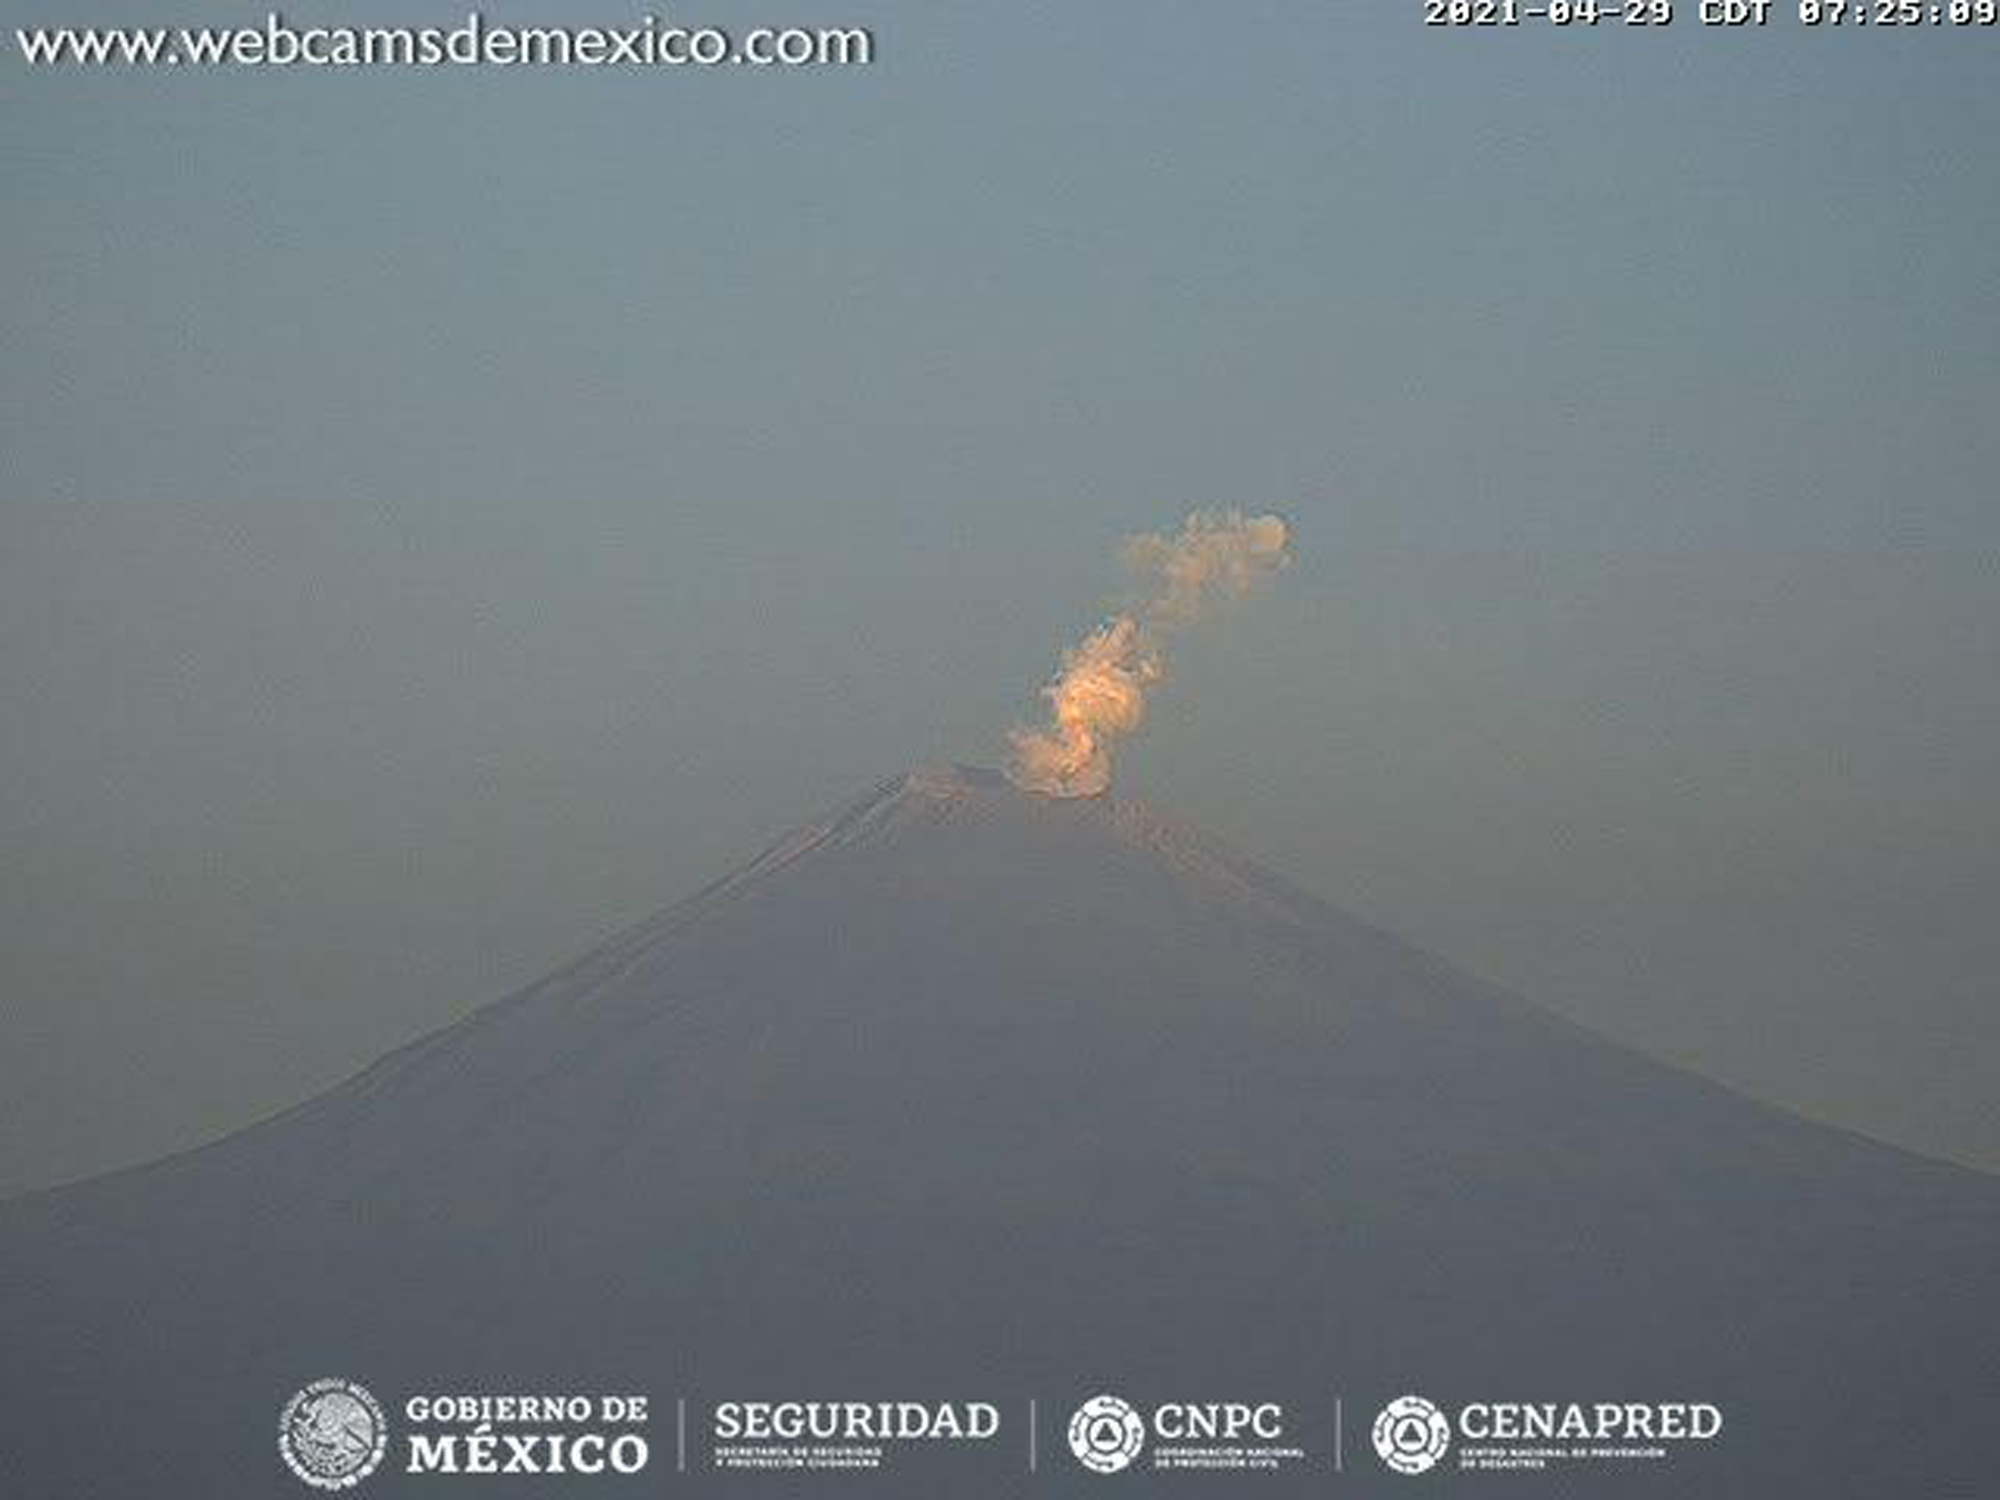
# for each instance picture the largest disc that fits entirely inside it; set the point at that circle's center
(965, 1093)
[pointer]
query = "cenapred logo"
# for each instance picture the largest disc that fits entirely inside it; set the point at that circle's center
(1411, 1434)
(1106, 1434)
(332, 1434)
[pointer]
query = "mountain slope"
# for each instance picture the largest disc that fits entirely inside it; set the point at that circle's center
(966, 1092)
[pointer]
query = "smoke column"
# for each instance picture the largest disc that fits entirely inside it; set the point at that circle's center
(1099, 696)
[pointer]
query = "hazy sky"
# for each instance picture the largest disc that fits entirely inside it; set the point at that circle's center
(447, 516)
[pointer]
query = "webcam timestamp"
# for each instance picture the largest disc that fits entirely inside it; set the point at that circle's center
(1875, 14)
(1551, 12)
(1884, 14)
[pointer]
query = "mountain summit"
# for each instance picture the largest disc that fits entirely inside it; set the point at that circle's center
(966, 1090)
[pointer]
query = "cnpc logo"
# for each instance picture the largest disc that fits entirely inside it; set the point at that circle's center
(1107, 1433)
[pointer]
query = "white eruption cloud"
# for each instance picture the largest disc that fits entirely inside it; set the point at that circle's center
(1099, 696)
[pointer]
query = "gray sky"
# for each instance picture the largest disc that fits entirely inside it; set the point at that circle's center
(446, 516)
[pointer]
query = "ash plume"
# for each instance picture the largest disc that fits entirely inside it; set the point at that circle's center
(1099, 695)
